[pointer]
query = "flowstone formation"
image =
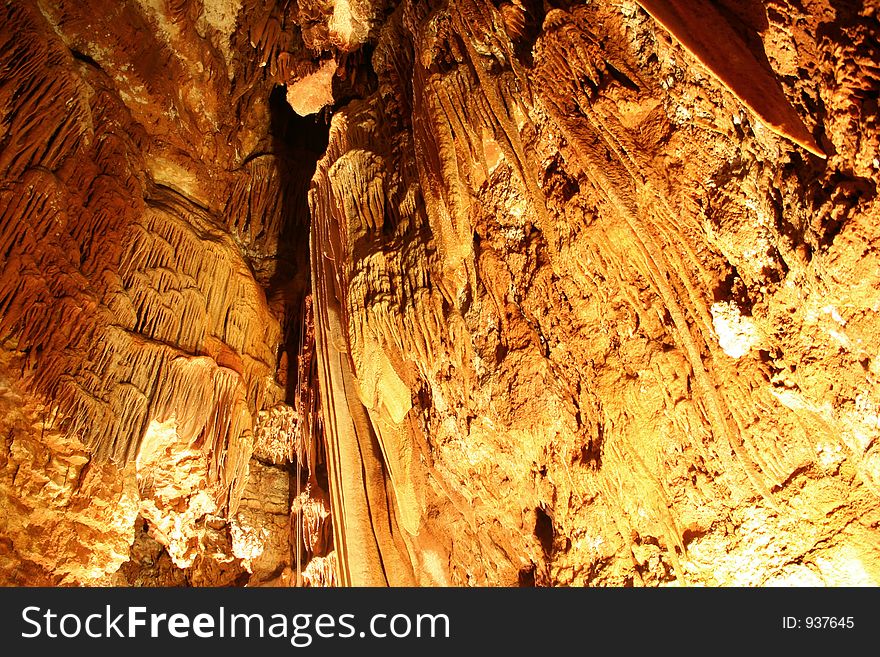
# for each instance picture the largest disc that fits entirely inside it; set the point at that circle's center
(455, 293)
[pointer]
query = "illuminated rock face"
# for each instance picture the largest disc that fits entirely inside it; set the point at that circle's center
(151, 207)
(533, 294)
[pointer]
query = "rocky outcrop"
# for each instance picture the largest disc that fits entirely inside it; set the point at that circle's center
(569, 266)
(146, 293)
(463, 293)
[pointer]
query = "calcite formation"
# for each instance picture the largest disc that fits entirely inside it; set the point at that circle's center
(463, 293)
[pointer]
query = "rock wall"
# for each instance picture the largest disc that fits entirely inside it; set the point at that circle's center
(534, 294)
(151, 205)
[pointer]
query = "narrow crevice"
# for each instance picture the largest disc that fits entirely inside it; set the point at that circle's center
(298, 143)
(544, 530)
(85, 59)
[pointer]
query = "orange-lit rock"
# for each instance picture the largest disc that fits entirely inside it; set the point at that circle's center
(595, 273)
(314, 92)
(473, 293)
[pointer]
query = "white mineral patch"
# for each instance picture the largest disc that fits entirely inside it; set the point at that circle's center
(736, 333)
(348, 25)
